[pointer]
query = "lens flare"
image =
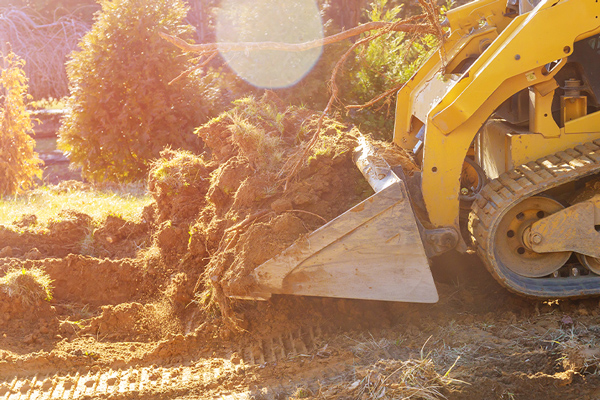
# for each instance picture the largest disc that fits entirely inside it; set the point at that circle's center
(273, 21)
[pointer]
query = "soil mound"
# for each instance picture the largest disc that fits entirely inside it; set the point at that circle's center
(24, 294)
(72, 232)
(62, 235)
(178, 182)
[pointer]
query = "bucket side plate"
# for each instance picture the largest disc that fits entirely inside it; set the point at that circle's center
(373, 251)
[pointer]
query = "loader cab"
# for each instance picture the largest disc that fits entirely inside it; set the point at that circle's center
(578, 81)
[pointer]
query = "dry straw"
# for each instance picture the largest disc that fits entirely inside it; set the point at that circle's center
(30, 286)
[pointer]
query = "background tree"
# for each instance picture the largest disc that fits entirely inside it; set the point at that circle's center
(54, 9)
(19, 164)
(122, 111)
(383, 65)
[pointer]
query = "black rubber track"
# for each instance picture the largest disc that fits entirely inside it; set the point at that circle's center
(512, 187)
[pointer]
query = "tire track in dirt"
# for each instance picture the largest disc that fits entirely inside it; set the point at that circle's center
(292, 343)
(168, 381)
(145, 382)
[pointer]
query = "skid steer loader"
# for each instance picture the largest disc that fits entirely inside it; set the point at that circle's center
(505, 123)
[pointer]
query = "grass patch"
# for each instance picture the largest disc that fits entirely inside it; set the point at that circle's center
(177, 168)
(125, 201)
(28, 285)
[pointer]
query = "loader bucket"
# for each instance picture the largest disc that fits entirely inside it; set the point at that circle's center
(373, 251)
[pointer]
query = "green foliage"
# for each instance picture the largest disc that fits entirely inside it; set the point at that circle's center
(257, 128)
(122, 110)
(385, 62)
(19, 164)
(176, 169)
(49, 103)
(262, 130)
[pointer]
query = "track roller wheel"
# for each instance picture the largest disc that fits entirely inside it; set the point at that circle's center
(591, 263)
(510, 239)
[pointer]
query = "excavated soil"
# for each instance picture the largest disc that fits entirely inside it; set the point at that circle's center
(137, 309)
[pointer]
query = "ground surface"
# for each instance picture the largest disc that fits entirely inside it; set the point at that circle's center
(136, 313)
(108, 334)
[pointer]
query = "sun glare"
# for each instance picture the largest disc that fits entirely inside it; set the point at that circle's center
(270, 21)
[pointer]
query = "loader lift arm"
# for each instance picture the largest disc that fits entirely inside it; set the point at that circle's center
(515, 60)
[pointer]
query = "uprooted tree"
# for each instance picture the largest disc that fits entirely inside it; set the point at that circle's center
(274, 170)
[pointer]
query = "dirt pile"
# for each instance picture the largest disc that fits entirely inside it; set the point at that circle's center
(178, 182)
(226, 211)
(132, 322)
(72, 232)
(118, 238)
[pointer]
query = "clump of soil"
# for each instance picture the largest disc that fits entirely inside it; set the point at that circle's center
(132, 321)
(118, 238)
(24, 294)
(26, 221)
(178, 181)
(258, 244)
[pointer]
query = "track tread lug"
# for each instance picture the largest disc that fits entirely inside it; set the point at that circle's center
(480, 200)
(525, 181)
(594, 156)
(528, 172)
(564, 156)
(505, 193)
(495, 185)
(554, 160)
(508, 183)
